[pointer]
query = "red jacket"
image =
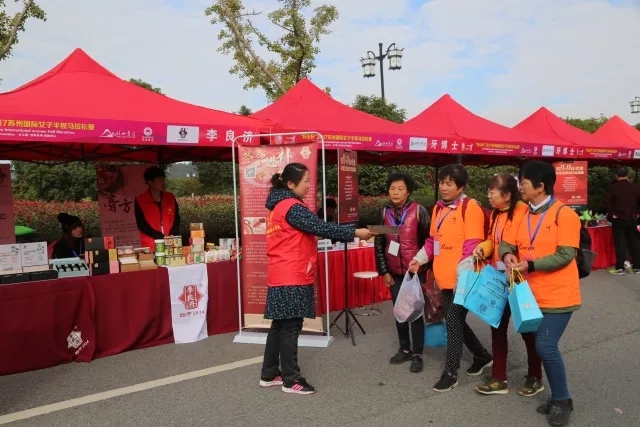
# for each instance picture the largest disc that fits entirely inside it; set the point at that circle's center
(159, 218)
(292, 254)
(407, 239)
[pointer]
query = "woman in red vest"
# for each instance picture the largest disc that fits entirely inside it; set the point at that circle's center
(394, 253)
(156, 210)
(292, 253)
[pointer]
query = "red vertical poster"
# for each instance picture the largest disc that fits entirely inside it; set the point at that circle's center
(7, 224)
(257, 165)
(572, 180)
(348, 206)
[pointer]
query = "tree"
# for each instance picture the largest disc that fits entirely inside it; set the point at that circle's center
(148, 86)
(12, 25)
(378, 107)
(245, 111)
(590, 125)
(295, 49)
(215, 177)
(74, 181)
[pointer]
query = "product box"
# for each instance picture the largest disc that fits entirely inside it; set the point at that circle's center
(10, 259)
(109, 242)
(100, 268)
(113, 255)
(129, 263)
(147, 262)
(94, 243)
(125, 251)
(43, 275)
(97, 255)
(10, 279)
(34, 254)
(196, 226)
(196, 241)
(197, 234)
(114, 267)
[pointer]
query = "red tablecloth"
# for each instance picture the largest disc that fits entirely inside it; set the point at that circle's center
(222, 311)
(43, 324)
(602, 244)
(361, 291)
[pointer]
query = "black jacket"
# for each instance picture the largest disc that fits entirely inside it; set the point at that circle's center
(622, 200)
(381, 240)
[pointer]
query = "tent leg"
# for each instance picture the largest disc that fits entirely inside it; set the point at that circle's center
(435, 183)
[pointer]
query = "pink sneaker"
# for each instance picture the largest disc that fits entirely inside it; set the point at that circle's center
(300, 386)
(276, 381)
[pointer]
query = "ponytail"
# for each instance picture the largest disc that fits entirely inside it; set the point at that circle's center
(276, 181)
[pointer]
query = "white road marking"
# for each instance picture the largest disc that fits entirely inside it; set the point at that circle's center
(110, 394)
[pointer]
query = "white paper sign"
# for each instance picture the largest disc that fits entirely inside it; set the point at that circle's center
(189, 289)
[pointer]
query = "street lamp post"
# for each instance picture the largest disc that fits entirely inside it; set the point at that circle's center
(369, 63)
(635, 105)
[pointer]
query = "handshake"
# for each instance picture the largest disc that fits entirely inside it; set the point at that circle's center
(365, 234)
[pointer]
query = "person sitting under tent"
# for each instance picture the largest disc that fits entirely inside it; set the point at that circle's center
(70, 245)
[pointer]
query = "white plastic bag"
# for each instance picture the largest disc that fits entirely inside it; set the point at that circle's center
(410, 302)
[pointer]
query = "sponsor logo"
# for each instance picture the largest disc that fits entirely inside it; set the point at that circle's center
(190, 297)
(548, 150)
(183, 134)
(147, 134)
(418, 144)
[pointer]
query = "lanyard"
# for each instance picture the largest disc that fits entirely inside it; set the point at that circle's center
(535, 233)
(393, 219)
(495, 234)
(441, 220)
(74, 251)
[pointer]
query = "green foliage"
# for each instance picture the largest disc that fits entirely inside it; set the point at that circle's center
(148, 86)
(73, 181)
(295, 49)
(378, 107)
(245, 111)
(590, 125)
(215, 177)
(11, 25)
(185, 187)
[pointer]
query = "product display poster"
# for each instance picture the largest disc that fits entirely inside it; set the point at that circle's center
(572, 180)
(348, 203)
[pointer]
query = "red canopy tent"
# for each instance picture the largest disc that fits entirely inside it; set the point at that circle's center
(620, 133)
(475, 135)
(306, 107)
(544, 123)
(79, 110)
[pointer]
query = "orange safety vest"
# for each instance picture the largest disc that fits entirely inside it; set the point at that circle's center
(159, 218)
(292, 254)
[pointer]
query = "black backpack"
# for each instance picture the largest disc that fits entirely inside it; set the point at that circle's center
(585, 255)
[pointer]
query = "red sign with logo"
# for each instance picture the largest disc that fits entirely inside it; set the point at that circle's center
(348, 207)
(572, 180)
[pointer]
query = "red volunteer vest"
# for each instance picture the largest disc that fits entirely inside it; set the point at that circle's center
(292, 254)
(407, 239)
(159, 221)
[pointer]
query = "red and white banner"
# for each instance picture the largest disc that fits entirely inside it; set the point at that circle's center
(118, 187)
(257, 166)
(189, 289)
(7, 224)
(572, 184)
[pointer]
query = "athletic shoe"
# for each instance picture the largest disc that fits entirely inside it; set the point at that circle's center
(557, 411)
(271, 382)
(416, 364)
(300, 386)
(531, 387)
(615, 272)
(493, 386)
(447, 382)
(479, 365)
(400, 357)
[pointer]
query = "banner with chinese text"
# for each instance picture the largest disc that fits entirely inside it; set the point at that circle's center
(572, 180)
(7, 223)
(257, 165)
(189, 290)
(348, 206)
(118, 187)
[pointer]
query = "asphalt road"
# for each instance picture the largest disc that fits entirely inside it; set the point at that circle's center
(356, 385)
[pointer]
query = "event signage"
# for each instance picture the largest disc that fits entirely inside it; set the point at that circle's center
(63, 129)
(189, 290)
(118, 187)
(257, 165)
(348, 206)
(572, 181)
(7, 223)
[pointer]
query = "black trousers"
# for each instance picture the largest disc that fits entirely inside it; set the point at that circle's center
(625, 237)
(417, 326)
(281, 351)
(459, 333)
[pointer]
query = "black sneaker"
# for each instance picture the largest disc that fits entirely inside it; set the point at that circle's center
(400, 357)
(557, 411)
(446, 383)
(416, 363)
(531, 387)
(479, 365)
(271, 382)
(300, 386)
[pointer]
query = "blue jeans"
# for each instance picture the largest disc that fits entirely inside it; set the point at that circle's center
(547, 338)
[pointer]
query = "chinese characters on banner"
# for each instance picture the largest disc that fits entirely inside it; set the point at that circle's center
(257, 166)
(7, 225)
(348, 207)
(571, 184)
(118, 187)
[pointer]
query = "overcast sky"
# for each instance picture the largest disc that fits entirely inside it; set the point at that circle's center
(502, 59)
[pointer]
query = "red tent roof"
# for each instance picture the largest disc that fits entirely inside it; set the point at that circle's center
(446, 115)
(306, 107)
(80, 101)
(544, 123)
(619, 132)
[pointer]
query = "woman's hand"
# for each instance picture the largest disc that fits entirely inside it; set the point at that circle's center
(414, 266)
(510, 261)
(388, 280)
(364, 234)
(522, 267)
(478, 252)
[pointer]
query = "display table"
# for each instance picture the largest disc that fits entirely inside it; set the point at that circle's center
(602, 243)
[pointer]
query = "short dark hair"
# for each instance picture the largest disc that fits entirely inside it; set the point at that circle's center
(506, 184)
(396, 176)
(293, 172)
(457, 173)
(331, 203)
(622, 171)
(539, 173)
(152, 173)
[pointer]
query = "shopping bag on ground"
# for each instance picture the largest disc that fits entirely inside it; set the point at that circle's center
(468, 274)
(433, 309)
(410, 302)
(524, 307)
(435, 334)
(488, 296)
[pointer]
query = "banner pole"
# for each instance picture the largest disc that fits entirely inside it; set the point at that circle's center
(238, 255)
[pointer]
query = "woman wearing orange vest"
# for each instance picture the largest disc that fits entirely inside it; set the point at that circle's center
(156, 210)
(544, 249)
(457, 227)
(293, 255)
(508, 213)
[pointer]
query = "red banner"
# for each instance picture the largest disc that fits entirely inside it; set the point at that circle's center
(572, 180)
(348, 206)
(257, 166)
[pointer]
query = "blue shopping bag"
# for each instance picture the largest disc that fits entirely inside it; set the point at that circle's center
(488, 297)
(435, 334)
(524, 307)
(467, 277)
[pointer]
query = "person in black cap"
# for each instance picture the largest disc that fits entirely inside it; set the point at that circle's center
(70, 245)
